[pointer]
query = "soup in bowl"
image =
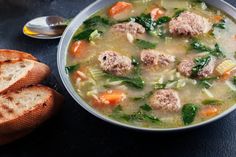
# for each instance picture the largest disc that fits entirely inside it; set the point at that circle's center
(155, 64)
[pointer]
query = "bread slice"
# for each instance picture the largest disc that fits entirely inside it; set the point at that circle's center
(21, 73)
(27, 108)
(6, 55)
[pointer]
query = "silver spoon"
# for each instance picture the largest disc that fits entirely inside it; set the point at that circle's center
(47, 27)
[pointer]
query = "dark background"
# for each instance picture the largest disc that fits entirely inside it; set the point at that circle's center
(74, 131)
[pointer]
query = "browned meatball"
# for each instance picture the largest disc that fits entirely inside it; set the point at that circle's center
(129, 27)
(114, 63)
(185, 68)
(153, 58)
(166, 100)
(188, 23)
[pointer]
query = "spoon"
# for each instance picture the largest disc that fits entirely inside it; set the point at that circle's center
(47, 27)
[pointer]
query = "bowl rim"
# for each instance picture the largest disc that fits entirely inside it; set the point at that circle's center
(61, 63)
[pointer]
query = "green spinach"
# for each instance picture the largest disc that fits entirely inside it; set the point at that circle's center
(206, 82)
(189, 112)
(200, 47)
(200, 63)
(220, 25)
(72, 68)
(234, 80)
(212, 102)
(85, 35)
(178, 12)
(146, 107)
(95, 21)
(145, 44)
(140, 116)
(135, 80)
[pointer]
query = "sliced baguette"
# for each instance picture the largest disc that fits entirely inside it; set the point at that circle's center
(27, 108)
(21, 73)
(6, 55)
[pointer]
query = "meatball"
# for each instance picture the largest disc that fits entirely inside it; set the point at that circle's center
(166, 100)
(188, 23)
(153, 58)
(114, 63)
(129, 27)
(185, 68)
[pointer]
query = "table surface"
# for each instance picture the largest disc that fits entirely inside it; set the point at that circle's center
(74, 131)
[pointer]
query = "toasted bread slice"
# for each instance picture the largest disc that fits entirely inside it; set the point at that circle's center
(6, 55)
(21, 73)
(27, 108)
(8, 138)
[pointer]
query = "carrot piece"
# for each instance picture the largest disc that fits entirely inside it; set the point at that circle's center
(112, 98)
(78, 48)
(156, 13)
(225, 76)
(217, 18)
(209, 111)
(118, 8)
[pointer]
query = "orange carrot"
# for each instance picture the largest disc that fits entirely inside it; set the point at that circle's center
(112, 98)
(217, 18)
(225, 76)
(78, 48)
(118, 8)
(209, 111)
(156, 13)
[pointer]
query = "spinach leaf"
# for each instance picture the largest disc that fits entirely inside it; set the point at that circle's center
(200, 63)
(72, 68)
(198, 46)
(206, 82)
(143, 97)
(85, 35)
(88, 34)
(221, 24)
(212, 102)
(217, 52)
(163, 20)
(178, 12)
(117, 109)
(96, 21)
(146, 107)
(234, 80)
(189, 112)
(135, 81)
(145, 44)
(146, 21)
(135, 61)
(140, 116)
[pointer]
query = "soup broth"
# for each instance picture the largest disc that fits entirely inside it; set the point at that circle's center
(156, 63)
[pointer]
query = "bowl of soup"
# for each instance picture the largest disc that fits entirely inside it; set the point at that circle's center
(155, 65)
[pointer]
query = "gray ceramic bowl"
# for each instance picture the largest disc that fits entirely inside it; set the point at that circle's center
(62, 55)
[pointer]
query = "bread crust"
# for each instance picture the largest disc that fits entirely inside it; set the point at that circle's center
(33, 118)
(36, 75)
(6, 54)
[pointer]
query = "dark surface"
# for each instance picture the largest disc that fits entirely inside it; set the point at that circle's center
(74, 131)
